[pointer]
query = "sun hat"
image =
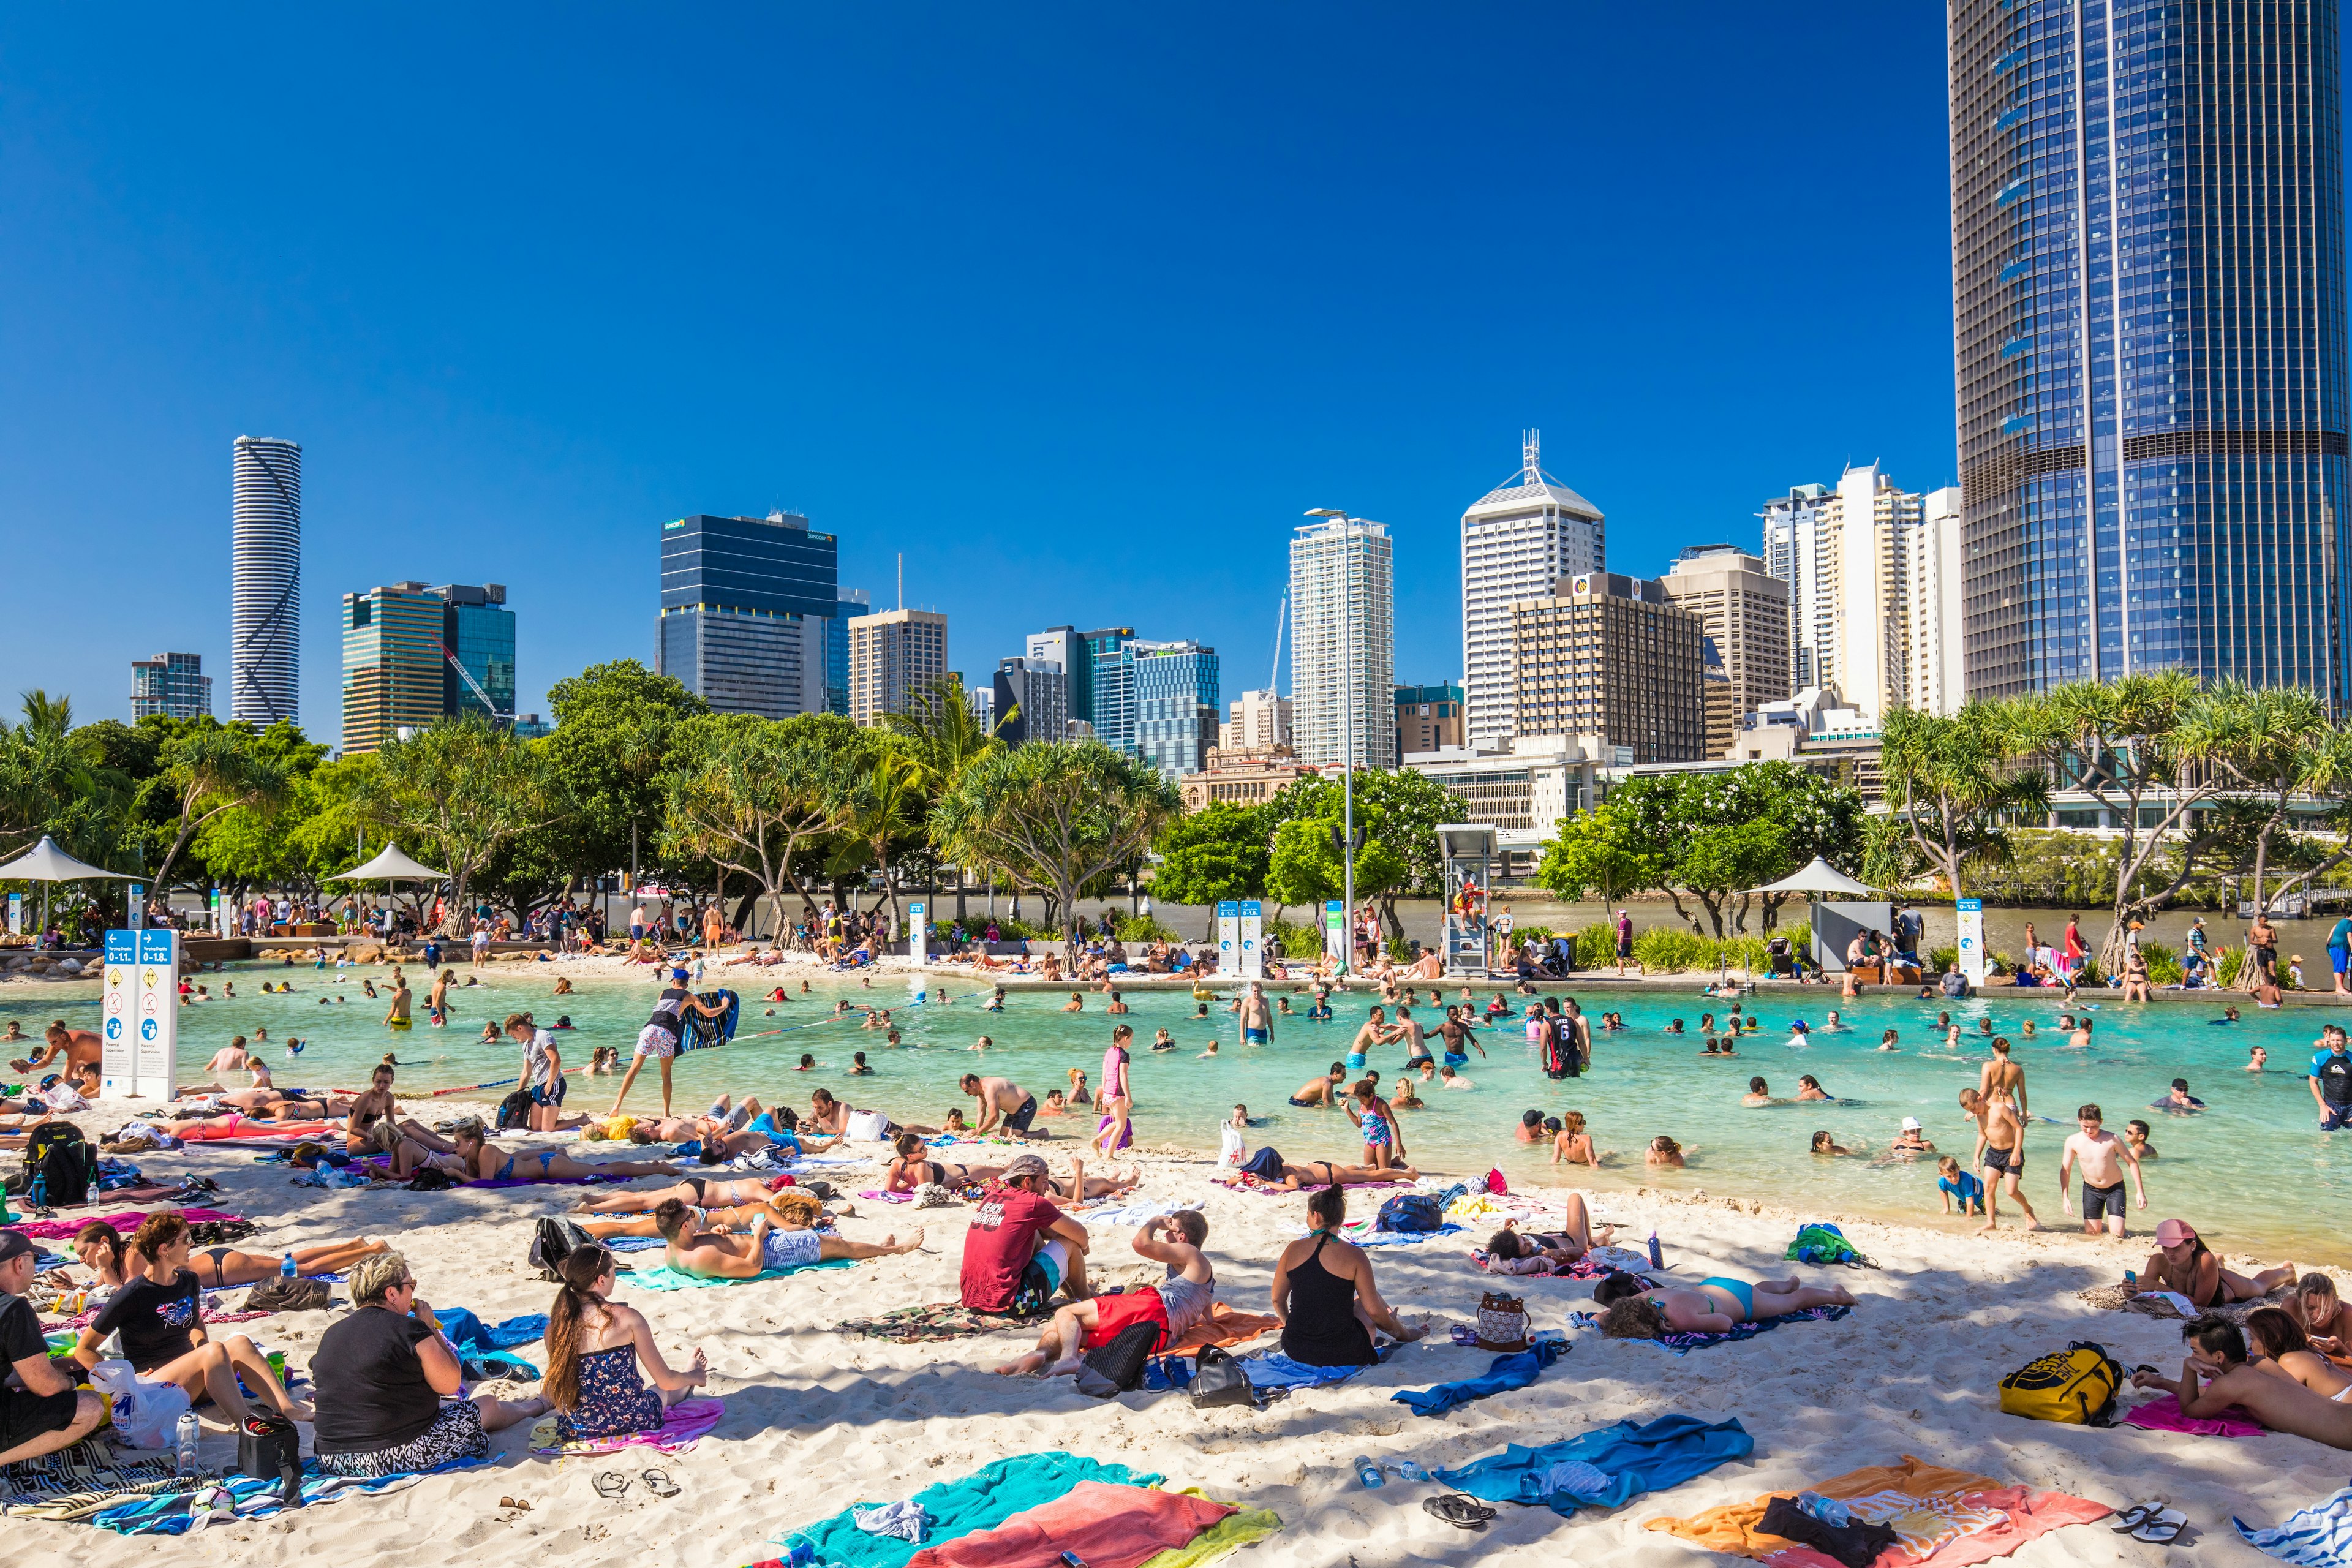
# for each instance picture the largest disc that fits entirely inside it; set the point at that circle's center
(2173, 1231)
(1910, 1124)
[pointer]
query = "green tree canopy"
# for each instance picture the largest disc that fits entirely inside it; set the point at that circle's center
(457, 792)
(1220, 851)
(1954, 789)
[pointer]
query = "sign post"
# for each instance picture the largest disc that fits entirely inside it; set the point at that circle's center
(1253, 940)
(155, 1053)
(1972, 947)
(137, 905)
(119, 1012)
(1229, 938)
(15, 914)
(918, 933)
(1335, 933)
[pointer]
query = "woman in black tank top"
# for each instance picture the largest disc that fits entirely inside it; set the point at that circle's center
(1321, 1325)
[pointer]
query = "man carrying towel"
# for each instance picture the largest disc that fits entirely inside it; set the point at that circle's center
(1019, 1237)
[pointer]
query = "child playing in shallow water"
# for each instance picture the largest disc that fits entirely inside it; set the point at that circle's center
(1954, 1182)
(1665, 1153)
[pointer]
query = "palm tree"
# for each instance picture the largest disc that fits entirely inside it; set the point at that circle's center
(1960, 789)
(217, 770)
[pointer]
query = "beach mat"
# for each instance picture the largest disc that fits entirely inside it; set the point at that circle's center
(80, 1480)
(2163, 1414)
(1103, 1524)
(1512, 1370)
(683, 1424)
(1682, 1344)
(1945, 1517)
(1632, 1459)
(2316, 1537)
(1223, 1327)
(938, 1321)
(662, 1277)
(235, 1498)
(966, 1506)
(127, 1221)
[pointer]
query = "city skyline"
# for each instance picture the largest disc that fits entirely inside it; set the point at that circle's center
(457, 426)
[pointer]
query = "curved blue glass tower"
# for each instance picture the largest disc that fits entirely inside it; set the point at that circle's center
(2148, 334)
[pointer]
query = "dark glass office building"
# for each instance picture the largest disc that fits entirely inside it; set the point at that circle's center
(748, 604)
(2149, 327)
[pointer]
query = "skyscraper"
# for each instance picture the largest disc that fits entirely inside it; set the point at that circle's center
(1615, 657)
(1343, 641)
(264, 655)
(1176, 701)
(893, 654)
(1260, 722)
(413, 653)
(852, 601)
(746, 607)
(1077, 652)
(1518, 540)
(171, 686)
(1847, 555)
(1033, 696)
(1745, 612)
(2148, 335)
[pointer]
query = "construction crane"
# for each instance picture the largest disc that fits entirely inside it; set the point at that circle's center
(474, 686)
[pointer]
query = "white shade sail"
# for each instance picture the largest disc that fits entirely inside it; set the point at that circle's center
(391, 866)
(1821, 877)
(45, 862)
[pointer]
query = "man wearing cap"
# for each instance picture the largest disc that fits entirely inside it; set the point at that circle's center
(40, 1409)
(2331, 1080)
(1018, 1238)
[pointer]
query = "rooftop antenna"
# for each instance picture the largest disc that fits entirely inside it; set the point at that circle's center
(1531, 456)
(902, 579)
(1281, 617)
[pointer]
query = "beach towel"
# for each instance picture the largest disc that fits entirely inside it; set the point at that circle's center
(1682, 1344)
(1127, 1214)
(129, 1220)
(1945, 1516)
(1221, 1326)
(1514, 1370)
(631, 1243)
(1634, 1458)
(256, 1134)
(80, 1480)
(2316, 1537)
(1243, 1527)
(2163, 1414)
(979, 1501)
(662, 1277)
(234, 1499)
(1272, 1369)
(1103, 1525)
(1370, 1237)
(682, 1425)
(938, 1321)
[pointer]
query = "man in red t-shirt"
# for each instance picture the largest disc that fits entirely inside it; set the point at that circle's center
(1017, 1226)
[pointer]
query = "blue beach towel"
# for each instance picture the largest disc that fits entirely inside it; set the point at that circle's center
(1516, 1369)
(1272, 1369)
(252, 1498)
(1635, 1460)
(1682, 1344)
(982, 1500)
(2316, 1537)
(662, 1277)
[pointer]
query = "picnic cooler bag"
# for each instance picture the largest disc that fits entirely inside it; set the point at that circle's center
(2076, 1385)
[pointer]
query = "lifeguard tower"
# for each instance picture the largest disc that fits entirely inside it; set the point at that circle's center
(1469, 851)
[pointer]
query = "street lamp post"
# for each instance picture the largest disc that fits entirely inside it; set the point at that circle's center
(1347, 734)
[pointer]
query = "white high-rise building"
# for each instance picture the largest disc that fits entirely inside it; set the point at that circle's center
(1518, 540)
(1258, 722)
(893, 655)
(1936, 681)
(264, 652)
(1851, 558)
(1343, 641)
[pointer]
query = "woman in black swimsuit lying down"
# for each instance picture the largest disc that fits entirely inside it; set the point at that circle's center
(107, 1253)
(1326, 1173)
(911, 1169)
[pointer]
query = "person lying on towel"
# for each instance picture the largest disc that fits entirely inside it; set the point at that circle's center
(2216, 1375)
(1713, 1307)
(706, 1254)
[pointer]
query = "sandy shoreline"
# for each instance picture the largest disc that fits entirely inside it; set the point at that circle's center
(816, 1419)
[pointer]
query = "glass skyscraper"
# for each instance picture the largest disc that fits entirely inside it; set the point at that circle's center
(748, 608)
(1176, 703)
(2148, 259)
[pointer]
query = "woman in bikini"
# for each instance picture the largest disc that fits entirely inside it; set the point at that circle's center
(479, 1159)
(2281, 1348)
(1328, 1174)
(913, 1168)
(107, 1253)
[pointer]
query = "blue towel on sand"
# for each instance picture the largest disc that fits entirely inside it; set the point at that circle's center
(167, 1513)
(468, 1332)
(981, 1501)
(1272, 1369)
(1637, 1459)
(1515, 1369)
(662, 1277)
(2317, 1537)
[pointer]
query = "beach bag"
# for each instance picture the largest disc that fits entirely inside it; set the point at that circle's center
(1265, 1164)
(1230, 1150)
(60, 1167)
(268, 1446)
(279, 1294)
(1219, 1378)
(514, 1110)
(1410, 1211)
(552, 1241)
(1502, 1322)
(145, 1414)
(1495, 1184)
(1121, 1361)
(427, 1179)
(2076, 1385)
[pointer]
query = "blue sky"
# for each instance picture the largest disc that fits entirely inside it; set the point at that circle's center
(1077, 307)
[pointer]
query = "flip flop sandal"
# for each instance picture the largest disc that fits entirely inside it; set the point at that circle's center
(2140, 1513)
(610, 1484)
(658, 1483)
(2162, 1528)
(1456, 1509)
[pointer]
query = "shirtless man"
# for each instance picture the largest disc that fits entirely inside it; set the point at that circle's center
(2080, 1040)
(73, 1050)
(705, 1254)
(1416, 1038)
(1323, 1092)
(1999, 1154)
(2003, 1078)
(396, 1015)
(1375, 1032)
(1003, 1103)
(1257, 1018)
(1180, 1299)
(2103, 1156)
(2216, 1375)
(230, 1057)
(1460, 1033)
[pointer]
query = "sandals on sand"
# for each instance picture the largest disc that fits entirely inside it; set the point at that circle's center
(610, 1484)
(1457, 1508)
(658, 1483)
(2151, 1521)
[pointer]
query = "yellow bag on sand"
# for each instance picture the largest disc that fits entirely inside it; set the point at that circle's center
(2076, 1385)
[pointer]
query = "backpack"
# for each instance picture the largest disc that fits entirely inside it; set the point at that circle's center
(61, 1166)
(1820, 1244)
(1218, 1378)
(2076, 1385)
(1410, 1211)
(514, 1110)
(279, 1294)
(1121, 1361)
(552, 1241)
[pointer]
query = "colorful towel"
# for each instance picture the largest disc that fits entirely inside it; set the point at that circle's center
(1682, 1344)
(1221, 1326)
(2163, 1414)
(1949, 1518)
(935, 1321)
(1513, 1369)
(662, 1277)
(129, 1220)
(979, 1501)
(682, 1425)
(1368, 1237)
(2317, 1537)
(234, 1499)
(1635, 1459)
(1103, 1525)
(255, 1134)
(1243, 1527)
(82, 1481)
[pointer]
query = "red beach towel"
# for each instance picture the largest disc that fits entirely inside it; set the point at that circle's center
(1106, 1526)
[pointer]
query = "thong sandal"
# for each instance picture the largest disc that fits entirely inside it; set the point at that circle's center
(2161, 1528)
(1462, 1511)
(2130, 1518)
(658, 1483)
(610, 1484)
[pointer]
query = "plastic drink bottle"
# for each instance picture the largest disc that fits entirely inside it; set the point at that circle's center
(184, 1442)
(286, 1270)
(1408, 1471)
(1369, 1473)
(1657, 1257)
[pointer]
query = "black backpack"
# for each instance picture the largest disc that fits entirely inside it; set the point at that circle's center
(514, 1110)
(61, 1166)
(1123, 1360)
(552, 1241)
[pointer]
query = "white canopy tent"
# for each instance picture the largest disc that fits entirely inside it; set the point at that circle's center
(1829, 944)
(1821, 877)
(45, 863)
(391, 866)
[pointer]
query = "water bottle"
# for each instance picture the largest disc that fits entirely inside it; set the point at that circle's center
(797, 1554)
(1367, 1473)
(184, 1442)
(286, 1270)
(1408, 1471)
(1657, 1257)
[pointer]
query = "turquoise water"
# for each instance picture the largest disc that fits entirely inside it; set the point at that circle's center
(2252, 1170)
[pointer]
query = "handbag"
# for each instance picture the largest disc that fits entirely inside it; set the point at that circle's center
(1219, 1378)
(268, 1447)
(1502, 1322)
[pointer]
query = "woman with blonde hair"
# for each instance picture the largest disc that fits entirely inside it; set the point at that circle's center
(594, 1347)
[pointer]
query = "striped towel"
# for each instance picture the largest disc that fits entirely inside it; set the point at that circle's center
(2318, 1536)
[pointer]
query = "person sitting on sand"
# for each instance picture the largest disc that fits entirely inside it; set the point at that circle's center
(707, 1255)
(595, 1347)
(1663, 1154)
(1759, 1093)
(2183, 1264)
(2324, 1319)
(1513, 1251)
(1715, 1306)
(2280, 1347)
(108, 1254)
(1824, 1144)
(1019, 1239)
(1326, 1173)
(1325, 1293)
(2216, 1375)
(1174, 1305)
(914, 1167)
(159, 1312)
